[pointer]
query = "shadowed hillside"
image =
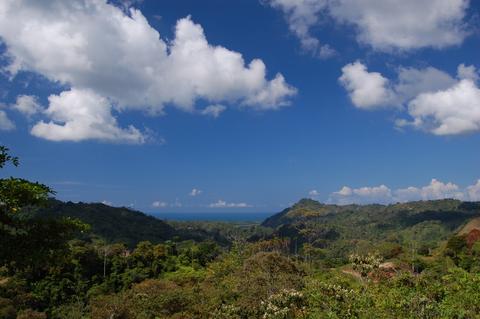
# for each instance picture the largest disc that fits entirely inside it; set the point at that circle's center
(114, 224)
(121, 224)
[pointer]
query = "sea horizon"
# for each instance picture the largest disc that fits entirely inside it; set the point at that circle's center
(213, 216)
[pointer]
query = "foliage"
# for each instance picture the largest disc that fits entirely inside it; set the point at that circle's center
(365, 264)
(27, 241)
(114, 224)
(286, 304)
(312, 262)
(402, 230)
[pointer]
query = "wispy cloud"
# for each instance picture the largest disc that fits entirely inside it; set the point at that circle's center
(223, 204)
(195, 192)
(389, 27)
(159, 204)
(313, 193)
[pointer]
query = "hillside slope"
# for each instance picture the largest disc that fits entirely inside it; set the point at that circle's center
(114, 224)
(471, 225)
(361, 227)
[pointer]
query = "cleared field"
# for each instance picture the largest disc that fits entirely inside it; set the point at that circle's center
(473, 224)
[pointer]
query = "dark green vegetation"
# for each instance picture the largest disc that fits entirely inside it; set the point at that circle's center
(127, 226)
(67, 260)
(110, 223)
(337, 231)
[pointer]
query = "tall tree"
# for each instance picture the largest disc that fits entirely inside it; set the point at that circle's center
(27, 240)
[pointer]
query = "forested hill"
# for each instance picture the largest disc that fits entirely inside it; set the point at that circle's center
(384, 228)
(448, 210)
(411, 212)
(114, 224)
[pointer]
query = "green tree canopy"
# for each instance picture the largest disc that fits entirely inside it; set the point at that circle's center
(27, 240)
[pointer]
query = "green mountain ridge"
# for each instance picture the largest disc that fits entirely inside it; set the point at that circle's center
(307, 221)
(306, 209)
(341, 230)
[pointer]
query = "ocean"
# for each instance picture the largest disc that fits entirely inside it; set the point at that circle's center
(226, 217)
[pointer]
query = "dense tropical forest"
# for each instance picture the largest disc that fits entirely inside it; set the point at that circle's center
(312, 260)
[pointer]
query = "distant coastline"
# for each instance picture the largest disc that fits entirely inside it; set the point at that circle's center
(215, 216)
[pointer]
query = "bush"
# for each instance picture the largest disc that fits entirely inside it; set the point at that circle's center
(7, 310)
(31, 314)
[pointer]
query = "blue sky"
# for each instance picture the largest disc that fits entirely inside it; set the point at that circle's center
(242, 105)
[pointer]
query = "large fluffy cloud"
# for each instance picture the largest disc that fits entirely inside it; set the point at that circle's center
(383, 194)
(92, 46)
(434, 101)
(388, 25)
(435, 190)
(455, 110)
(83, 114)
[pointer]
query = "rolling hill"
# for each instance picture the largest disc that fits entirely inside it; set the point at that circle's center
(356, 228)
(114, 224)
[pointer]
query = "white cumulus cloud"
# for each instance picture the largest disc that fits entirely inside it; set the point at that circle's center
(82, 114)
(128, 63)
(433, 100)
(455, 110)
(363, 195)
(367, 90)
(383, 195)
(473, 192)
(435, 190)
